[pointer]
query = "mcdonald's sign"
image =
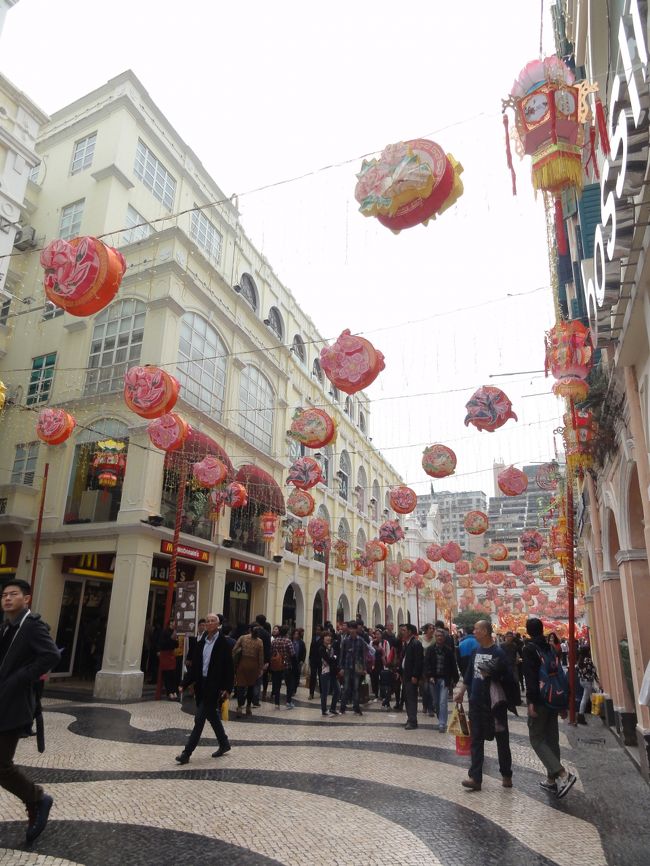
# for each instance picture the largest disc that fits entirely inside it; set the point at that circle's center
(90, 564)
(9, 556)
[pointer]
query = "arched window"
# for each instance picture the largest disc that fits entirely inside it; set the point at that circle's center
(116, 345)
(349, 407)
(334, 393)
(361, 542)
(374, 502)
(326, 464)
(298, 348)
(248, 290)
(202, 365)
(323, 513)
(256, 414)
(275, 323)
(89, 501)
(362, 422)
(345, 469)
(360, 490)
(317, 371)
(344, 530)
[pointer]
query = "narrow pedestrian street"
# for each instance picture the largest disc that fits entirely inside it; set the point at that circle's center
(300, 789)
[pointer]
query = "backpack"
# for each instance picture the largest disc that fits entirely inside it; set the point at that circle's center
(553, 683)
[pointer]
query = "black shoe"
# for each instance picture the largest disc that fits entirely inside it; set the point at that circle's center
(183, 758)
(221, 751)
(257, 706)
(398, 708)
(41, 814)
(358, 712)
(409, 726)
(334, 713)
(581, 719)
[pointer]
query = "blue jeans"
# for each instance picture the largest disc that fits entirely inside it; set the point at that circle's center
(441, 701)
(329, 685)
(210, 714)
(351, 682)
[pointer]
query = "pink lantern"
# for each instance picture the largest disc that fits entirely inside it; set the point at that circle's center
(312, 427)
(407, 566)
(480, 578)
(518, 567)
(149, 391)
(168, 432)
(393, 569)
(480, 565)
(351, 363)
(301, 503)
(445, 576)
(209, 472)
(403, 499)
(531, 539)
(476, 522)
(318, 529)
(451, 552)
(376, 550)
(532, 556)
(462, 567)
(434, 552)
(54, 426)
(495, 577)
(510, 582)
(488, 409)
(305, 473)
(390, 531)
(438, 461)
(235, 495)
(497, 551)
(465, 581)
(527, 578)
(548, 476)
(512, 482)
(422, 566)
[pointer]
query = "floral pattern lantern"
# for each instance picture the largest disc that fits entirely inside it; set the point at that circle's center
(445, 576)
(422, 566)
(488, 409)
(403, 499)
(438, 461)
(407, 566)
(548, 476)
(410, 183)
(268, 525)
(235, 495)
(496, 577)
(149, 391)
(462, 567)
(497, 551)
(394, 569)
(168, 432)
(434, 552)
(312, 427)
(82, 275)
(305, 473)
(512, 482)
(376, 551)
(390, 531)
(54, 426)
(301, 503)
(569, 353)
(351, 363)
(341, 554)
(532, 556)
(318, 529)
(451, 552)
(476, 522)
(480, 565)
(209, 472)
(109, 462)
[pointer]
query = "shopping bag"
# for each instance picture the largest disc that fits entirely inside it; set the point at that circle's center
(459, 723)
(225, 707)
(597, 704)
(463, 746)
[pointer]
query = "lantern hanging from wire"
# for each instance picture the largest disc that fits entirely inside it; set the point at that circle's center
(488, 409)
(569, 351)
(268, 525)
(305, 473)
(531, 539)
(403, 499)
(312, 427)
(109, 462)
(394, 569)
(351, 363)
(579, 433)
(462, 567)
(209, 472)
(445, 576)
(168, 432)
(376, 550)
(54, 426)
(518, 567)
(301, 503)
(512, 481)
(434, 552)
(476, 522)
(390, 532)
(497, 551)
(407, 566)
(235, 495)
(451, 552)
(422, 567)
(149, 391)
(438, 461)
(318, 529)
(480, 565)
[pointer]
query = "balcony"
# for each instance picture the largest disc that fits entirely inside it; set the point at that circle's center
(18, 505)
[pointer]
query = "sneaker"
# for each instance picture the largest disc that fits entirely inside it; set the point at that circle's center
(409, 726)
(327, 713)
(471, 785)
(443, 729)
(334, 713)
(221, 751)
(41, 814)
(564, 784)
(183, 758)
(290, 706)
(549, 785)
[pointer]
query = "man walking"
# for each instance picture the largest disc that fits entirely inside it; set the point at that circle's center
(488, 715)
(440, 673)
(412, 664)
(212, 674)
(354, 651)
(541, 662)
(26, 653)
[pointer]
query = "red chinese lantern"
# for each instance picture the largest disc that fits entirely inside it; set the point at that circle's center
(422, 567)
(488, 409)
(268, 525)
(312, 427)
(497, 551)
(351, 363)
(107, 479)
(410, 183)
(569, 353)
(209, 472)
(571, 389)
(462, 567)
(301, 503)
(305, 473)
(434, 552)
(109, 461)
(376, 551)
(168, 432)
(451, 552)
(580, 432)
(394, 569)
(476, 522)
(480, 565)
(438, 461)
(149, 391)
(403, 499)
(495, 577)
(318, 529)
(512, 482)
(532, 556)
(390, 531)
(298, 540)
(82, 275)
(407, 566)
(531, 539)
(480, 578)
(54, 426)
(235, 495)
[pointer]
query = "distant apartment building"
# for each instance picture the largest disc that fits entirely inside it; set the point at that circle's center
(452, 508)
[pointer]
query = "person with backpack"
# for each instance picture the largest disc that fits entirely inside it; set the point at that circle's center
(547, 696)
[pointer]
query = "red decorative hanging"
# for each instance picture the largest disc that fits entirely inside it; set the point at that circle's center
(312, 427)
(54, 426)
(235, 495)
(438, 461)
(403, 499)
(301, 503)
(168, 432)
(488, 409)
(480, 565)
(451, 552)
(390, 531)
(209, 472)
(109, 461)
(497, 551)
(476, 522)
(318, 529)
(462, 567)
(434, 552)
(305, 473)
(512, 482)
(407, 566)
(351, 363)
(569, 352)
(149, 391)
(268, 525)
(376, 551)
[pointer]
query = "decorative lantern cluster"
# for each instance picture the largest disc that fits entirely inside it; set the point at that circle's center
(351, 363)
(109, 462)
(82, 275)
(580, 432)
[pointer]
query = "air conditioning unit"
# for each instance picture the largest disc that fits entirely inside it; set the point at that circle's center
(14, 395)
(25, 238)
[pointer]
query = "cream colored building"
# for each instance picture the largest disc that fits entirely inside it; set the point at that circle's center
(200, 300)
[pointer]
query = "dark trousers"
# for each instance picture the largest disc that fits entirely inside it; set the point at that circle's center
(411, 701)
(11, 778)
(277, 677)
(476, 722)
(351, 681)
(329, 685)
(245, 694)
(211, 714)
(170, 681)
(314, 674)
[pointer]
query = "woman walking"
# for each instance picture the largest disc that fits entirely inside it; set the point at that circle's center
(588, 677)
(248, 658)
(329, 675)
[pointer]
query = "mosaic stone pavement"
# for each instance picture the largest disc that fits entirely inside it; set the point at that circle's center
(300, 789)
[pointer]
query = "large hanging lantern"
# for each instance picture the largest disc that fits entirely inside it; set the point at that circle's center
(235, 495)
(512, 482)
(476, 522)
(488, 409)
(318, 529)
(268, 525)
(390, 531)
(438, 461)
(480, 565)
(569, 352)
(351, 363)
(301, 503)
(82, 275)
(410, 183)
(531, 539)
(209, 472)
(149, 391)
(168, 432)
(376, 550)
(312, 427)
(109, 462)
(403, 499)
(422, 567)
(548, 476)
(497, 551)
(305, 473)
(451, 552)
(54, 426)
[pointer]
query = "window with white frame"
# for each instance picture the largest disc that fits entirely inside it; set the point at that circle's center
(51, 311)
(70, 224)
(345, 469)
(5, 307)
(34, 172)
(274, 322)
(205, 234)
(154, 175)
(298, 348)
(25, 463)
(137, 227)
(83, 152)
(40, 380)
(256, 408)
(248, 290)
(202, 365)
(116, 345)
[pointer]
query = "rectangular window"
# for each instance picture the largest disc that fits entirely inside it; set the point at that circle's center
(154, 175)
(205, 234)
(137, 227)
(4, 311)
(83, 152)
(34, 172)
(25, 463)
(51, 311)
(70, 224)
(40, 381)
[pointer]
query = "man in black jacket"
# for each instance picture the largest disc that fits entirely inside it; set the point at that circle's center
(213, 675)
(412, 664)
(441, 672)
(26, 653)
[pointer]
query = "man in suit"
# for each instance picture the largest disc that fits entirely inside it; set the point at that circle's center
(212, 674)
(412, 664)
(26, 653)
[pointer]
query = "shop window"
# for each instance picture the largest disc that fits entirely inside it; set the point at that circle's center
(116, 345)
(202, 365)
(98, 469)
(25, 463)
(197, 504)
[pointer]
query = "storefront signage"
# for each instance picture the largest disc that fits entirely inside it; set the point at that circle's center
(239, 589)
(160, 571)
(248, 567)
(623, 172)
(90, 564)
(185, 552)
(9, 556)
(186, 607)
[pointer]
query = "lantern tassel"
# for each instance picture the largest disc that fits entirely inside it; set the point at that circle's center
(592, 152)
(602, 128)
(560, 233)
(513, 176)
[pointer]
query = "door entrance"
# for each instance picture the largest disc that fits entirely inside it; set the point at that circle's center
(82, 627)
(237, 603)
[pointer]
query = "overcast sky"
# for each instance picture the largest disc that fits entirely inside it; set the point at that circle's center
(264, 92)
